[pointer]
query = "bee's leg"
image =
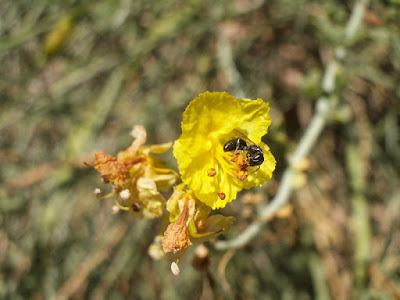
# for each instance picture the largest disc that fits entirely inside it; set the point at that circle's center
(237, 146)
(248, 157)
(256, 170)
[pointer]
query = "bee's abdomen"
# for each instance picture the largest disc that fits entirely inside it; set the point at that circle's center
(235, 144)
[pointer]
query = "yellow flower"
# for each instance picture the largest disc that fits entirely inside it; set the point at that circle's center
(137, 176)
(210, 121)
(190, 221)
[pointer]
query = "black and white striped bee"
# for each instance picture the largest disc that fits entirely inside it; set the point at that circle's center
(254, 154)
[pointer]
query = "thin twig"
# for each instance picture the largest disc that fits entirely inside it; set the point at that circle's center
(325, 106)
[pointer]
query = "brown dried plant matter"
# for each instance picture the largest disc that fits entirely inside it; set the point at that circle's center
(137, 176)
(176, 237)
(111, 168)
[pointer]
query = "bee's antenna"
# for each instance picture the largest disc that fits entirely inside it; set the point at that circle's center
(256, 170)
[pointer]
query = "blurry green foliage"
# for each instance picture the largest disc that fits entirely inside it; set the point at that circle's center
(140, 62)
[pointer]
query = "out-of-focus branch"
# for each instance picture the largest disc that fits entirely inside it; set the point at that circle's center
(226, 62)
(326, 105)
(78, 279)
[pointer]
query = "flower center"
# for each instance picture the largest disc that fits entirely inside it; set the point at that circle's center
(235, 163)
(241, 165)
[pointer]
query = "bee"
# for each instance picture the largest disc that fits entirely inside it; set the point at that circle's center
(254, 155)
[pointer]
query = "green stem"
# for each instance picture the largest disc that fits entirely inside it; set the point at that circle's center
(360, 216)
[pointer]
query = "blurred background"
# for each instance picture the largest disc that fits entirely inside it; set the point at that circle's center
(77, 75)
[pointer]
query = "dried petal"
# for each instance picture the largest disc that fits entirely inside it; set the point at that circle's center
(176, 237)
(111, 169)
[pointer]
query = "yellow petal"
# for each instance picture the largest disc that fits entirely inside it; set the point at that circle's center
(216, 223)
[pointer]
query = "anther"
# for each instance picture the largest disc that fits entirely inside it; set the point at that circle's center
(125, 194)
(221, 196)
(115, 209)
(175, 269)
(136, 207)
(211, 172)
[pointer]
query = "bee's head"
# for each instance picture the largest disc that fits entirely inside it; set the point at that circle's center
(255, 155)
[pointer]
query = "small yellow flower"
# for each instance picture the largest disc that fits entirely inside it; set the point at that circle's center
(137, 176)
(211, 120)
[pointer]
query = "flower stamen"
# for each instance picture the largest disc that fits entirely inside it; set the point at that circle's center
(241, 162)
(241, 174)
(120, 206)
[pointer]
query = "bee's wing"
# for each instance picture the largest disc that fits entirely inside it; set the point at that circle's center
(244, 136)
